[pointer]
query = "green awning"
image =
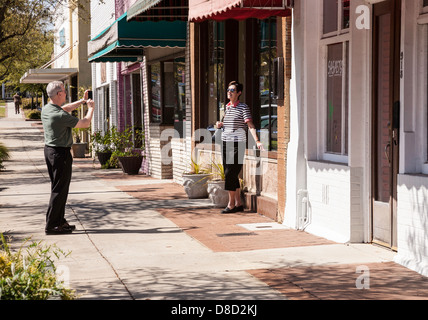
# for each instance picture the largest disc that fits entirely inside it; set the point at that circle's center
(124, 41)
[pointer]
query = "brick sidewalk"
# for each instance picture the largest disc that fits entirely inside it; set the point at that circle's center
(387, 281)
(221, 233)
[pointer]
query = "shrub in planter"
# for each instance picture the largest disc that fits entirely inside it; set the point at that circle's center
(218, 195)
(129, 157)
(78, 147)
(102, 145)
(195, 181)
(31, 275)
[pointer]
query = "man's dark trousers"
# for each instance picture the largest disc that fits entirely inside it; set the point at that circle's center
(59, 162)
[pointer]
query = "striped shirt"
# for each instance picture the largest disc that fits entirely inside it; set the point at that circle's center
(235, 122)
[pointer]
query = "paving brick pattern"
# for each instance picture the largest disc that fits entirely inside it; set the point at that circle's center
(221, 233)
(386, 281)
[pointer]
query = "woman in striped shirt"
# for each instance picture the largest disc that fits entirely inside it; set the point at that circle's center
(236, 120)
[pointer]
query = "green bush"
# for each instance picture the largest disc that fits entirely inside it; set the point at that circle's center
(26, 103)
(31, 276)
(33, 114)
(4, 154)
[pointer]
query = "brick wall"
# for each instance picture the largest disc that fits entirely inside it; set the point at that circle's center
(284, 114)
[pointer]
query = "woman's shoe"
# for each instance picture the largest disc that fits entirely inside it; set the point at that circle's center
(239, 209)
(228, 210)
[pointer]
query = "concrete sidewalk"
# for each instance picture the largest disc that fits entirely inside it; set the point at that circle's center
(141, 238)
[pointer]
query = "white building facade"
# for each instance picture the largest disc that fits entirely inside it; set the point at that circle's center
(358, 153)
(104, 74)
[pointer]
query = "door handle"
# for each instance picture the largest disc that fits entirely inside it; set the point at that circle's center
(387, 147)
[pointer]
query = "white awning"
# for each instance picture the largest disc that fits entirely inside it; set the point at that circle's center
(47, 75)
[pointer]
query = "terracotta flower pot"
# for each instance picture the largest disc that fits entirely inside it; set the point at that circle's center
(131, 164)
(103, 157)
(79, 149)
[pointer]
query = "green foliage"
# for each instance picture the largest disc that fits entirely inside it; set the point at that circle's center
(77, 133)
(101, 142)
(25, 41)
(4, 154)
(124, 142)
(128, 142)
(28, 103)
(217, 169)
(30, 274)
(32, 114)
(196, 167)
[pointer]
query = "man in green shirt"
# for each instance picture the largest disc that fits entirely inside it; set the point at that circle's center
(57, 125)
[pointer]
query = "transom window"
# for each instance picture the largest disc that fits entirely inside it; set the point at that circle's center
(336, 17)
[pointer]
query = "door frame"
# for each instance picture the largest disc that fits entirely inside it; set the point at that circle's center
(395, 7)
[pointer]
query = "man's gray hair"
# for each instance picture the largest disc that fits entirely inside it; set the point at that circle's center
(53, 88)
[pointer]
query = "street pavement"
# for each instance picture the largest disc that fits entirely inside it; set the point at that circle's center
(140, 238)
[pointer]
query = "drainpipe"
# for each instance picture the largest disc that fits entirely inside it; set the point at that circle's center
(297, 201)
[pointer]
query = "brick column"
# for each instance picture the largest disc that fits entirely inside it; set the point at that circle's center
(284, 49)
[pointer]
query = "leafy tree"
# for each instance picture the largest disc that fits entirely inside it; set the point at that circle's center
(27, 37)
(24, 25)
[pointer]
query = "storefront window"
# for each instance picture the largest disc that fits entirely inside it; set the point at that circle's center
(336, 16)
(156, 97)
(268, 104)
(337, 99)
(168, 96)
(216, 82)
(345, 13)
(180, 96)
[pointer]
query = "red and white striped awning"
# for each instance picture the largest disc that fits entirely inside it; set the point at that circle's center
(200, 10)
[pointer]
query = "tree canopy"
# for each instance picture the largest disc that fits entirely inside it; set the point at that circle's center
(26, 39)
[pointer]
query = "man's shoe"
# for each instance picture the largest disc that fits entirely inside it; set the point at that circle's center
(68, 226)
(58, 230)
(239, 209)
(228, 210)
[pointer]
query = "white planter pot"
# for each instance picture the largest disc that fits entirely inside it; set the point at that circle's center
(219, 197)
(195, 185)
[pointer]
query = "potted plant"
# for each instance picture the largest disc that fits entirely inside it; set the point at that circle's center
(194, 181)
(129, 157)
(218, 195)
(102, 145)
(78, 147)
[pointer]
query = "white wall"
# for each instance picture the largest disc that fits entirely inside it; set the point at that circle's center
(412, 222)
(412, 198)
(102, 16)
(337, 192)
(61, 23)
